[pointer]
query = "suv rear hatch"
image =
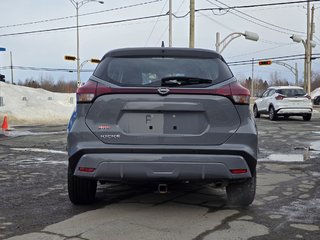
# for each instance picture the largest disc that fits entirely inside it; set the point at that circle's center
(152, 119)
(163, 97)
(293, 97)
(144, 116)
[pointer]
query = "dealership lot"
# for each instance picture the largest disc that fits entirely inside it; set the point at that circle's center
(34, 201)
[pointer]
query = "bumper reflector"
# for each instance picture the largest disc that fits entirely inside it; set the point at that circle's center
(238, 171)
(88, 170)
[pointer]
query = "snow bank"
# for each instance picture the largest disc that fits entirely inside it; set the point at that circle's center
(29, 106)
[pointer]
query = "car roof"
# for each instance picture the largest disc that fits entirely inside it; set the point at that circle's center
(285, 87)
(163, 52)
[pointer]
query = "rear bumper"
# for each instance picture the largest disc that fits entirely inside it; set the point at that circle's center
(294, 111)
(164, 162)
(161, 167)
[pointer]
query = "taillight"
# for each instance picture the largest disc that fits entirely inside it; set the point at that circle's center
(87, 92)
(238, 171)
(280, 97)
(236, 91)
(240, 94)
(92, 89)
(85, 169)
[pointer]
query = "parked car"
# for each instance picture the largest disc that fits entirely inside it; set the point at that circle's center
(315, 96)
(162, 116)
(284, 101)
(316, 100)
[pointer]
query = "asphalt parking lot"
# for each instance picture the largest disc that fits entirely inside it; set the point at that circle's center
(34, 202)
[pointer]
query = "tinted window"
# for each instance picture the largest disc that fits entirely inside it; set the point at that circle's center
(292, 92)
(271, 92)
(148, 72)
(265, 93)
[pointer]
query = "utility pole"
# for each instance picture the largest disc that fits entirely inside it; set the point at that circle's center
(192, 19)
(11, 67)
(252, 77)
(308, 48)
(78, 4)
(170, 23)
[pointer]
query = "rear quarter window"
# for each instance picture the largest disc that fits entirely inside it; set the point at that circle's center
(148, 71)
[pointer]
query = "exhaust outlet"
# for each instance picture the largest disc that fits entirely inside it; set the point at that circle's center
(163, 188)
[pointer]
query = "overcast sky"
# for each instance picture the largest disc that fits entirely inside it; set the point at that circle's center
(48, 49)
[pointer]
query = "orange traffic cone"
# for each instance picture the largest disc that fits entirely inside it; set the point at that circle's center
(5, 123)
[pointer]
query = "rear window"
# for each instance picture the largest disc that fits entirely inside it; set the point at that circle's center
(149, 72)
(291, 92)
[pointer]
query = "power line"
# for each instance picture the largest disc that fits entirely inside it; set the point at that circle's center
(48, 69)
(155, 24)
(282, 58)
(261, 59)
(217, 22)
(80, 15)
(83, 26)
(162, 35)
(283, 29)
(236, 63)
(167, 26)
(154, 16)
(155, 1)
(263, 50)
(250, 62)
(268, 4)
(251, 21)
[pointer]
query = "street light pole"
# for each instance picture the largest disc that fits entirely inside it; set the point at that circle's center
(225, 42)
(78, 5)
(308, 44)
(292, 69)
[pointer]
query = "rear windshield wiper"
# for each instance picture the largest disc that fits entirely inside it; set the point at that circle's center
(183, 80)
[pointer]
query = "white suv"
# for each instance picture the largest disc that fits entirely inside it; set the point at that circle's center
(284, 101)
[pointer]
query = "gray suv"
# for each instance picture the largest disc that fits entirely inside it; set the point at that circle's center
(162, 116)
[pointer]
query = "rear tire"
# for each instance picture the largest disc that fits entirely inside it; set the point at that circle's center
(242, 194)
(306, 117)
(81, 190)
(272, 114)
(256, 113)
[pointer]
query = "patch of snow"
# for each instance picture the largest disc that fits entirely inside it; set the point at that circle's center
(283, 158)
(27, 106)
(38, 150)
(28, 133)
(315, 146)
